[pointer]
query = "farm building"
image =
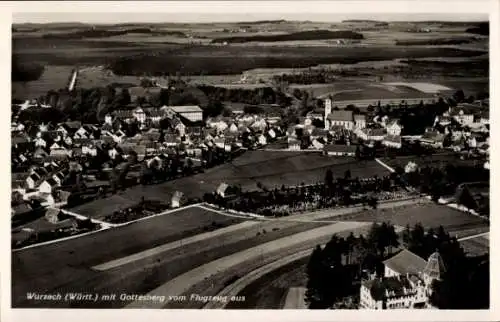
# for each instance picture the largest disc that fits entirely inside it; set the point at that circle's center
(52, 215)
(359, 121)
(392, 141)
(177, 199)
(474, 196)
(394, 128)
(191, 113)
(293, 144)
(339, 150)
(432, 138)
(371, 134)
(21, 209)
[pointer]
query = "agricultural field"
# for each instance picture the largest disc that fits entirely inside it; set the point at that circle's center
(271, 169)
(429, 215)
(168, 51)
(435, 160)
(476, 246)
(379, 91)
(143, 275)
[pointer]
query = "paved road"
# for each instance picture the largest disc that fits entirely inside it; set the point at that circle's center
(236, 287)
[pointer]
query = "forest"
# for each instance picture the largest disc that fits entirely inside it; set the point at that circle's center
(302, 35)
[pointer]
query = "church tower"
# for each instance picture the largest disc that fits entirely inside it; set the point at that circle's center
(434, 269)
(328, 110)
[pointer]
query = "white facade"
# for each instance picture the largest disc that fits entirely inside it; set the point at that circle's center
(464, 119)
(89, 150)
(30, 183)
(360, 123)
(394, 129)
(108, 119)
(39, 142)
(45, 187)
(262, 140)
(139, 115)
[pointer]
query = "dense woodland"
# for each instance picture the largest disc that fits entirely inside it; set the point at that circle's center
(302, 35)
(25, 72)
(263, 95)
(481, 29)
(434, 41)
(101, 33)
(205, 60)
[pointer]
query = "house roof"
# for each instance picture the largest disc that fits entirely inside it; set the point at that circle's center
(41, 151)
(34, 176)
(319, 132)
(467, 109)
(155, 113)
(339, 148)
(393, 122)
(359, 117)
(18, 138)
(340, 115)
(186, 109)
(177, 196)
(20, 209)
(406, 262)
(393, 138)
(74, 125)
(171, 138)
(222, 188)
(51, 181)
(387, 287)
(122, 114)
(433, 136)
(375, 131)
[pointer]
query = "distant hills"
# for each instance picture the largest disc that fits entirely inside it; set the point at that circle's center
(481, 29)
(302, 35)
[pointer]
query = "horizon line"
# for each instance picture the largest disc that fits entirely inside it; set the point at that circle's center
(263, 21)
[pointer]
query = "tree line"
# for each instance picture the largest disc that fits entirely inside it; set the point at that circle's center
(262, 95)
(301, 35)
(335, 270)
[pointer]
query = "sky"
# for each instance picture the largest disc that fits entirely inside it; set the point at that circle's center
(134, 17)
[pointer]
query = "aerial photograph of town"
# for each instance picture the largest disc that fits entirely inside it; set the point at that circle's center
(337, 163)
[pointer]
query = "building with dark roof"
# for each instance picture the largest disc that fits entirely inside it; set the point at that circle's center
(392, 141)
(406, 283)
(341, 118)
(474, 196)
(405, 262)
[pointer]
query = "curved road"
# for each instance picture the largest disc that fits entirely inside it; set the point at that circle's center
(184, 282)
(236, 287)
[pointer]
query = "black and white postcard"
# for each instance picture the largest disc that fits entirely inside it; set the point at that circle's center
(325, 158)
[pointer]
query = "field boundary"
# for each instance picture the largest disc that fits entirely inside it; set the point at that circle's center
(172, 245)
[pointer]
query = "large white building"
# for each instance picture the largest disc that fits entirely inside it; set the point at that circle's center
(406, 283)
(343, 118)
